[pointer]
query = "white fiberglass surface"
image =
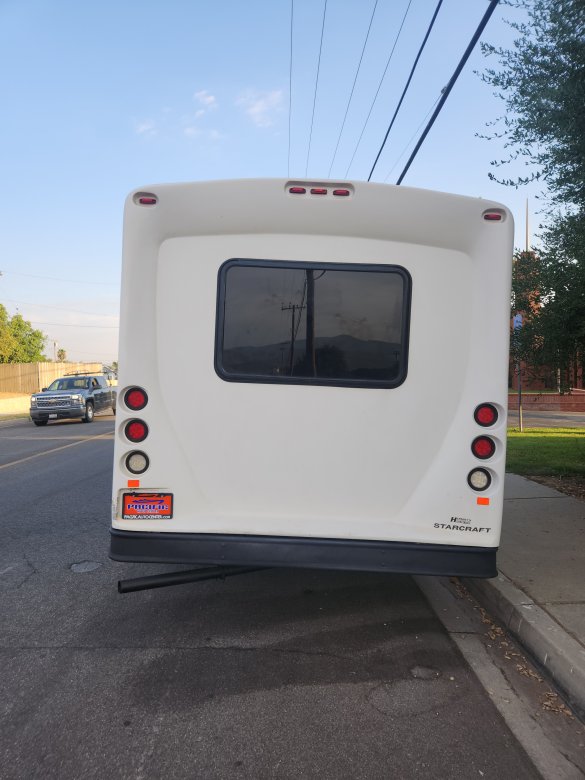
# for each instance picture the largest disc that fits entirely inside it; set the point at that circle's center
(322, 460)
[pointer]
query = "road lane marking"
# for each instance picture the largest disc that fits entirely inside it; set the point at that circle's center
(46, 438)
(110, 434)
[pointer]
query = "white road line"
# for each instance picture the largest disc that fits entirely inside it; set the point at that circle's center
(57, 449)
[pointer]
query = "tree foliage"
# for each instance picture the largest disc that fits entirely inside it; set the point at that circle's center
(542, 83)
(19, 341)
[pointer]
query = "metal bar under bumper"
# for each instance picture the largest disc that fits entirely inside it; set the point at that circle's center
(183, 577)
(266, 551)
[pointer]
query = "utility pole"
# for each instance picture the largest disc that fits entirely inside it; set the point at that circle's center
(293, 308)
(311, 322)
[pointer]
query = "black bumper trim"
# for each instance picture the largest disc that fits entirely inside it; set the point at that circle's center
(288, 551)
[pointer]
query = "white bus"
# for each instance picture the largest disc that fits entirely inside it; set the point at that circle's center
(312, 374)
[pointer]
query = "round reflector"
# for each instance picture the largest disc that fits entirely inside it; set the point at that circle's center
(137, 462)
(136, 430)
(485, 415)
(483, 447)
(479, 479)
(135, 398)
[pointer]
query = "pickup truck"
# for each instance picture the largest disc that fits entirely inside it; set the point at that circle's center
(73, 397)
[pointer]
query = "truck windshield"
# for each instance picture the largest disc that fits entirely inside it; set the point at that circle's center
(70, 383)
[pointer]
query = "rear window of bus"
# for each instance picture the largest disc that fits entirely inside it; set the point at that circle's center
(307, 323)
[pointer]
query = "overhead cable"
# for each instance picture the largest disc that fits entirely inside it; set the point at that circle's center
(57, 279)
(449, 87)
(379, 86)
(405, 90)
(316, 87)
(411, 139)
(292, 11)
(353, 88)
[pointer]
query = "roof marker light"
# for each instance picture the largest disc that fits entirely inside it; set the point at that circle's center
(297, 190)
(318, 191)
(493, 216)
(341, 193)
(146, 200)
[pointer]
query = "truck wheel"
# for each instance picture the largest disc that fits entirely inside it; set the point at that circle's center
(88, 417)
(40, 422)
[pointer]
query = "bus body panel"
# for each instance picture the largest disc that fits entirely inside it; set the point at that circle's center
(245, 458)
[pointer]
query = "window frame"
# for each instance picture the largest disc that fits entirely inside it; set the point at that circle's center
(302, 266)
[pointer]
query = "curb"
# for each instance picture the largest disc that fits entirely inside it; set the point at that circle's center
(561, 655)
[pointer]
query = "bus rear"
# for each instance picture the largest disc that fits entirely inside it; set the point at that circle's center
(312, 374)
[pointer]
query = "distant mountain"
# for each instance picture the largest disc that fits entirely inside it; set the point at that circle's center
(340, 356)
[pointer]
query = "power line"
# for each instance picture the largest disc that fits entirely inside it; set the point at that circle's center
(405, 90)
(316, 86)
(449, 87)
(56, 279)
(411, 139)
(353, 88)
(75, 325)
(292, 11)
(58, 308)
(379, 86)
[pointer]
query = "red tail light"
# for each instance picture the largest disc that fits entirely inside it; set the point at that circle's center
(486, 415)
(483, 447)
(135, 398)
(136, 430)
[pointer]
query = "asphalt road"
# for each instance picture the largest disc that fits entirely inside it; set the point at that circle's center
(277, 674)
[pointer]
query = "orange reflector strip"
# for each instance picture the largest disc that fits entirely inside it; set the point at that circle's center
(483, 501)
(133, 483)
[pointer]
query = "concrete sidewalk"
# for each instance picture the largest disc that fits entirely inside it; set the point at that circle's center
(539, 594)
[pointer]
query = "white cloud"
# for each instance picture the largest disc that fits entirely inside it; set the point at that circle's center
(209, 102)
(148, 127)
(261, 107)
(192, 131)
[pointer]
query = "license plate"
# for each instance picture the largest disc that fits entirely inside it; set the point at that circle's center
(52, 417)
(147, 506)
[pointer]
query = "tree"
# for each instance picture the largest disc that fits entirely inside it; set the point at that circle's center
(61, 355)
(542, 83)
(19, 341)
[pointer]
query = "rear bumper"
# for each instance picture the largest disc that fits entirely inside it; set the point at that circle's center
(349, 554)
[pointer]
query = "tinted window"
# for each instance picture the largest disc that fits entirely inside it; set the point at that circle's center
(342, 324)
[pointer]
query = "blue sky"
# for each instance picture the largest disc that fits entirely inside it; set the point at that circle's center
(102, 98)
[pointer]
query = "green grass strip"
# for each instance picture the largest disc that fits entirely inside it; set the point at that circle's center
(552, 451)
